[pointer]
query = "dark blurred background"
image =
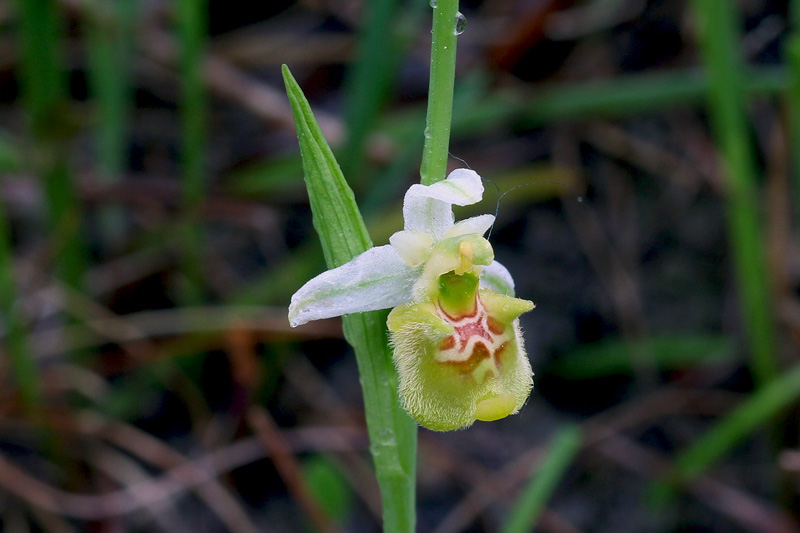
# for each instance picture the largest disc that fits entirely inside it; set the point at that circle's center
(155, 224)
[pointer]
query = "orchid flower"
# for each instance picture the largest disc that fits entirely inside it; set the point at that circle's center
(457, 344)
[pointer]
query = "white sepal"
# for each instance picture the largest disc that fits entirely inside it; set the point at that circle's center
(497, 278)
(413, 246)
(479, 225)
(376, 279)
(462, 187)
(428, 208)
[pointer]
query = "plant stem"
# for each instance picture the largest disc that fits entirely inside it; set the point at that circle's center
(343, 235)
(392, 433)
(720, 43)
(440, 92)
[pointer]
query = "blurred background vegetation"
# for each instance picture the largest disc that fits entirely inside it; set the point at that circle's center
(154, 224)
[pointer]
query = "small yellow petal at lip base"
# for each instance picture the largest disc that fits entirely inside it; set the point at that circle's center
(465, 248)
(467, 254)
(495, 408)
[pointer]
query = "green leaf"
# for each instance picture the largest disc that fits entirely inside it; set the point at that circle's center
(616, 356)
(328, 487)
(265, 177)
(769, 400)
(719, 32)
(17, 342)
(9, 158)
(544, 478)
(336, 216)
(343, 236)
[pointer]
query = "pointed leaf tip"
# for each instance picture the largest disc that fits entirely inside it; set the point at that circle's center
(336, 215)
(288, 79)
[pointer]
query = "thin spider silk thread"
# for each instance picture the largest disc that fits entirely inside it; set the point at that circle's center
(501, 194)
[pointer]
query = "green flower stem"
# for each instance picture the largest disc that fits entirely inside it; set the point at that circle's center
(343, 235)
(720, 43)
(440, 93)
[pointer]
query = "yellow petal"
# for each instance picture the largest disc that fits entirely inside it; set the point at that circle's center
(495, 408)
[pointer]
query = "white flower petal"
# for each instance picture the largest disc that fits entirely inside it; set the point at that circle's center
(428, 208)
(413, 246)
(376, 279)
(462, 187)
(479, 224)
(497, 278)
(426, 215)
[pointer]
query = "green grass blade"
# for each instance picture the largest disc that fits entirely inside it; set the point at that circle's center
(621, 96)
(614, 356)
(266, 177)
(544, 478)
(42, 79)
(343, 235)
(193, 33)
(756, 411)
(634, 94)
(9, 154)
(793, 93)
(720, 45)
(390, 30)
(109, 36)
(369, 80)
(43, 92)
(328, 487)
(20, 357)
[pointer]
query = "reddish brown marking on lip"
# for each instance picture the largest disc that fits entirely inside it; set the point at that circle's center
(447, 343)
(495, 326)
(498, 353)
(467, 367)
(469, 330)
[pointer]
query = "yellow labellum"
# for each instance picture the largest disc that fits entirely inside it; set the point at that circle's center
(459, 352)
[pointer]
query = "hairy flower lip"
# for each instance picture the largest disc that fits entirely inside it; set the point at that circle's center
(486, 379)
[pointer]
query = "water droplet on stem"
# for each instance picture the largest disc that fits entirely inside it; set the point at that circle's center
(461, 23)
